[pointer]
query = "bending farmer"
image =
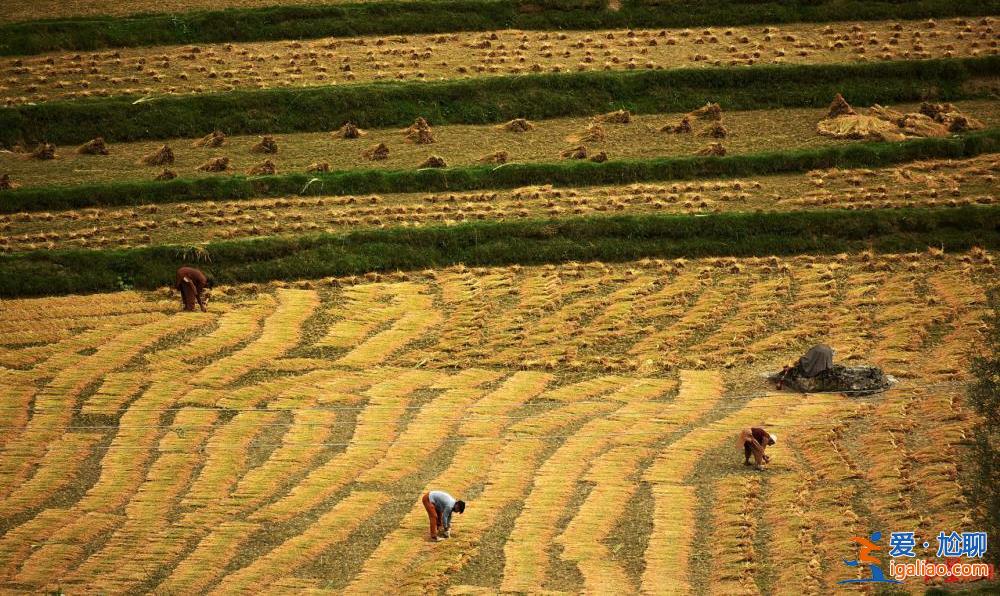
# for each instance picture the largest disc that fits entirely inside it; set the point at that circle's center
(191, 282)
(439, 506)
(754, 441)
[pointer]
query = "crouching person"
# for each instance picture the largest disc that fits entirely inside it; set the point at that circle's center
(439, 506)
(754, 441)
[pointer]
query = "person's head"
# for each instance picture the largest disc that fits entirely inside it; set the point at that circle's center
(459, 507)
(772, 438)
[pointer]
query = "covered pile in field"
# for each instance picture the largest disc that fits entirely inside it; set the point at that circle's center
(319, 166)
(216, 138)
(578, 152)
(616, 117)
(95, 146)
(263, 169)
(840, 107)
(713, 149)
(434, 161)
(517, 125)
(709, 111)
(267, 144)
(715, 130)
(161, 157)
(499, 157)
(684, 126)
(44, 151)
(166, 175)
(376, 153)
(855, 380)
(350, 131)
(215, 164)
(419, 132)
(887, 124)
(6, 183)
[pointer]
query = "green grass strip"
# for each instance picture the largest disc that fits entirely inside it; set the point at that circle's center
(439, 16)
(529, 242)
(564, 173)
(489, 99)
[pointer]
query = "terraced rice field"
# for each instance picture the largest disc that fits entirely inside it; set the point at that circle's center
(146, 449)
(934, 183)
(642, 137)
(225, 67)
(587, 412)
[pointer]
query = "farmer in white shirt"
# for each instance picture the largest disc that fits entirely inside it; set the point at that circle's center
(439, 506)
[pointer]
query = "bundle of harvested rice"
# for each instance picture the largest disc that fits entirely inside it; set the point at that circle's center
(840, 107)
(919, 125)
(434, 161)
(962, 123)
(599, 157)
(517, 125)
(709, 111)
(499, 157)
(6, 183)
(714, 149)
(616, 117)
(166, 175)
(350, 131)
(319, 166)
(937, 110)
(376, 153)
(594, 134)
(263, 169)
(44, 151)
(215, 164)
(579, 152)
(267, 144)
(716, 131)
(419, 132)
(887, 114)
(162, 156)
(95, 146)
(949, 115)
(684, 126)
(216, 138)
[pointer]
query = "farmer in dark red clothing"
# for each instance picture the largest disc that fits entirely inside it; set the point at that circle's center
(191, 283)
(754, 441)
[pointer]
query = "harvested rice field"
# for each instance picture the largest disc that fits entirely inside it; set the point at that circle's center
(150, 450)
(601, 137)
(330, 61)
(933, 183)
(235, 358)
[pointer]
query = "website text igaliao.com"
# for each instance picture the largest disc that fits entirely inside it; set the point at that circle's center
(954, 570)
